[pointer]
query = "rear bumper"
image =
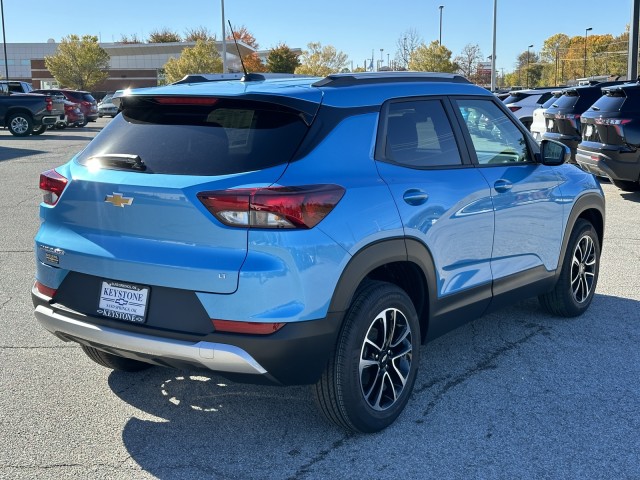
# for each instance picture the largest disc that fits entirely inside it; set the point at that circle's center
(296, 354)
(50, 120)
(608, 161)
(213, 356)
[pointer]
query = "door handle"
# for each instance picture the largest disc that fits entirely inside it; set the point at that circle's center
(415, 196)
(502, 185)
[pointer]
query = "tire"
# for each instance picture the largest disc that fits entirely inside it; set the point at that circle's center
(82, 124)
(39, 130)
(576, 285)
(114, 362)
(626, 185)
(527, 124)
(369, 377)
(20, 124)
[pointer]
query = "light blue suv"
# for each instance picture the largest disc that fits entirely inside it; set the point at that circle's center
(309, 231)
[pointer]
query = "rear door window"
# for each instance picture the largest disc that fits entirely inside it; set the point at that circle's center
(224, 137)
(419, 134)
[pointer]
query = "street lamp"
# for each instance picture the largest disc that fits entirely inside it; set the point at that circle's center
(381, 59)
(440, 41)
(4, 42)
(586, 34)
(530, 46)
(224, 40)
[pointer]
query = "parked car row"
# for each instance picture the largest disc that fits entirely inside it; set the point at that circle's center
(598, 122)
(25, 111)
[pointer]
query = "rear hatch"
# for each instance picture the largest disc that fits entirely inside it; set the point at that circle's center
(130, 211)
(614, 118)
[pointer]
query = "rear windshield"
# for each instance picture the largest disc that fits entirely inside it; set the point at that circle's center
(550, 102)
(515, 97)
(230, 136)
(607, 103)
(88, 97)
(566, 101)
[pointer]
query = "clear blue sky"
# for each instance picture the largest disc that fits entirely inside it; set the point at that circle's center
(354, 27)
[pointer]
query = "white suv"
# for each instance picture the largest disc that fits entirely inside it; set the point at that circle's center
(523, 102)
(539, 123)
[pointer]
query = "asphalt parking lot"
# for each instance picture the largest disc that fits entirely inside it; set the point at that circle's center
(516, 394)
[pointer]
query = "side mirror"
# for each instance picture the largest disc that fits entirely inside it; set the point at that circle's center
(554, 153)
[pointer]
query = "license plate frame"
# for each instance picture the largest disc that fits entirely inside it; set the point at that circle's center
(124, 301)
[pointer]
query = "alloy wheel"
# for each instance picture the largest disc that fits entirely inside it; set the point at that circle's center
(583, 269)
(385, 359)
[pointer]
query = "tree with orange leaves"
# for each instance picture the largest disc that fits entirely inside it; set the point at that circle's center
(251, 61)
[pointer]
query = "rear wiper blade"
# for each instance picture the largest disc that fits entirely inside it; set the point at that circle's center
(593, 107)
(122, 160)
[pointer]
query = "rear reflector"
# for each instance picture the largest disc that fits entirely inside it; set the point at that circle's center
(52, 185)
(44, 290)
(255, 328)
(273, 207)
(514, 108)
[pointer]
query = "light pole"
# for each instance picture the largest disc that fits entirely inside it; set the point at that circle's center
(381, 59)
(586, 34)
(440, 40)
(4, 42)
(224, 40)
(530, 46)
(493, 51)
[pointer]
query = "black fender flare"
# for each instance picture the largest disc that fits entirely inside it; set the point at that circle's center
(589, 201)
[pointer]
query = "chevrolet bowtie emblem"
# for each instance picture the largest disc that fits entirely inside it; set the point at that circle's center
(117, 200)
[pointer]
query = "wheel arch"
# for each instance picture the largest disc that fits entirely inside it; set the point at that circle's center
(403, 262)
(11, 112)
(591, 207)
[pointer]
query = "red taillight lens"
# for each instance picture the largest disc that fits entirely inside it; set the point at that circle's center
(273, 207)
(52, 185)
(230, 326)
(514, 108)
(49, 106)
(44, 290)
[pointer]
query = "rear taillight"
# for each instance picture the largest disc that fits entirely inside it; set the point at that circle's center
(49, 106)
(573, 118)
(44, 290)
(273, 207)
(514, 108)
(249, 328)
(617, 123)
(52, 185)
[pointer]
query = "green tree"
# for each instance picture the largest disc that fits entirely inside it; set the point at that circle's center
(530, 69)
(282, 60)
(79, 63)
(201, 58)
(164, 35)
(321, 61)
(432, 58)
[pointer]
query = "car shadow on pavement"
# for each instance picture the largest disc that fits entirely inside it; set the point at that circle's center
(631, 196)
(197, 424)
(8, 153)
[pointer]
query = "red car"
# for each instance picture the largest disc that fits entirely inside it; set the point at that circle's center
(88, 104)
(73, 116)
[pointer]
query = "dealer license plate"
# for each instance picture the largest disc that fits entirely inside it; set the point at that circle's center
(123, 301)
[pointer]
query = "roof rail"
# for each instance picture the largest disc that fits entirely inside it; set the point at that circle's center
(349, 79)
(220, 77)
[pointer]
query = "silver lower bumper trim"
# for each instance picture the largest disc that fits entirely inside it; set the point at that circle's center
(214, 356)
